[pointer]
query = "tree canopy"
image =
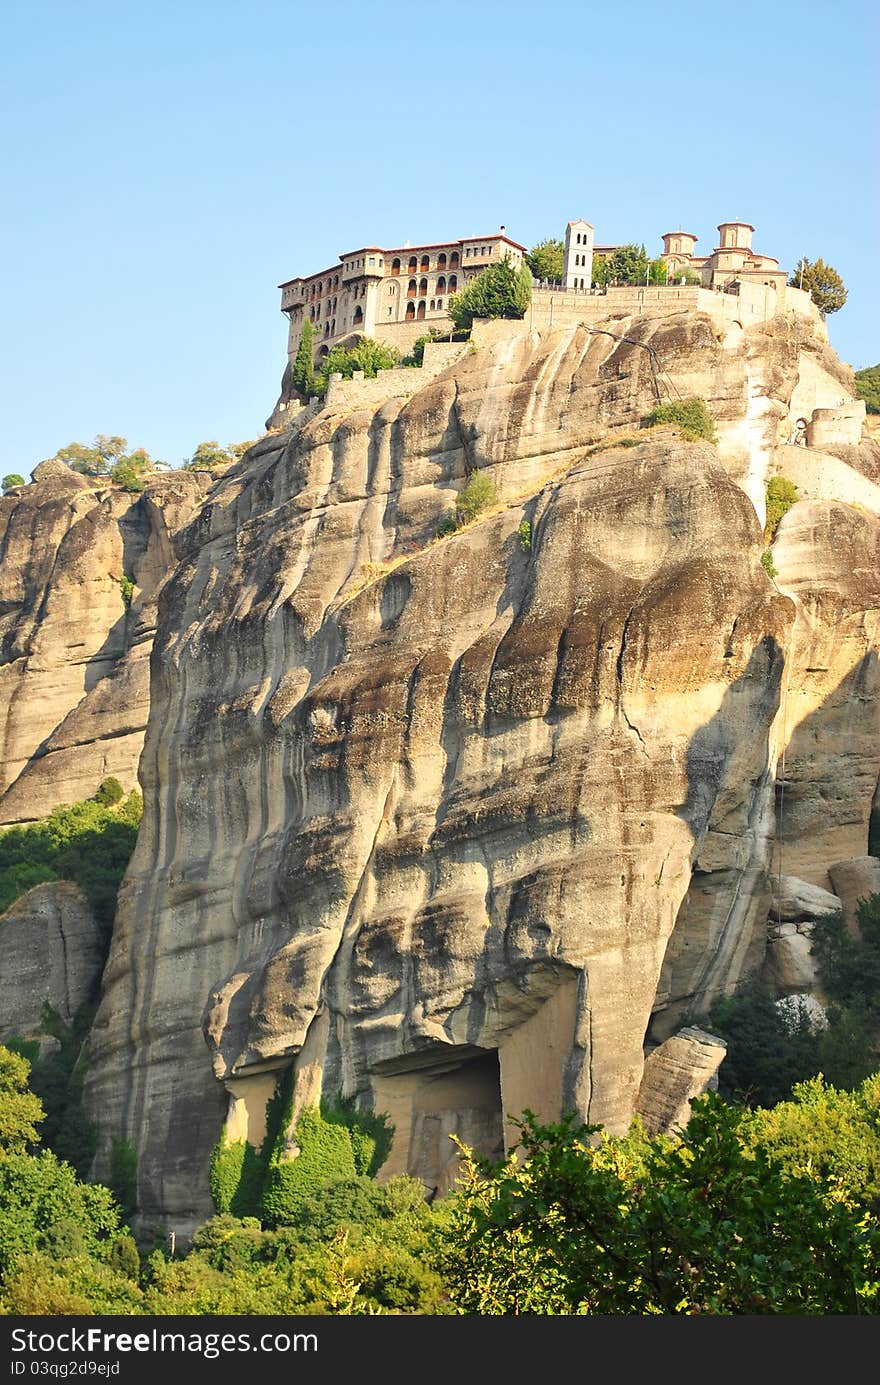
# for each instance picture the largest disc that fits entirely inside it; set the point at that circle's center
(13, 479)
(500, 290)
(546, 260)
(822, 282)
(210, 456)
(867, 388)
(708, 1223)
(108, 456)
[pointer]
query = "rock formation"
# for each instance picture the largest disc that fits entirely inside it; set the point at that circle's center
(74, 658)
(53, 953)
(454, 824)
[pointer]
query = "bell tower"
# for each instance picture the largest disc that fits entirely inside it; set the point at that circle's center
(578, 264)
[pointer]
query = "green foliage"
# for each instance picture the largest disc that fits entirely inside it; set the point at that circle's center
(128, 477)
(367, 355)
(13, 479)
(303, 365)
(210, 456)
(109, 792)
(123, 1176)
(20, 1110)
(767, 563)
(704, 1224)
(57, 1079)
(109, 456)
(867, 388)
(546, 260)
(822, 282)
(601, 271)
(691, 416)
(828, 1134)
(237, 1175)
(500, 290)
(657, 272)
(77, 1285)
(781, 495)
(370, 1133)
(88, 842)
(325, 1155)
(627, 264)
(475, 497)
(524, 534)
(850, 967)
(123, 1258)
(126, 587)
(417, 355)
(772, 1048)
(44, 1207)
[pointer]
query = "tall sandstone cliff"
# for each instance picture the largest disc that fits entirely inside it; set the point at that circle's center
(465, 825)
(74, 657)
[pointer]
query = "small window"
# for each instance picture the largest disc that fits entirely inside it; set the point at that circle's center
(439, 302)
(453, 283)
(441, 261)
(410, 311)
(432, 305)
(372, 259)
(425, 265)
(395, 266)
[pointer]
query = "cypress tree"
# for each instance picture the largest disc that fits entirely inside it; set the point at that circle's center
(303, 366)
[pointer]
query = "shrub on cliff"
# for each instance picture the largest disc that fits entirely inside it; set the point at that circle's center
(13, 479)
(367, 355)
(477, 495)
(781, 495)
(500, 290)
(690, 415)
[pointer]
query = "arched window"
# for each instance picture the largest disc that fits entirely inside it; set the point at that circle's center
(423, 287)
(326, 329)
(421, 309)
(441, 284)
(453, 283)
(441, 261)
(413, 264)
(358, 315)
(324, 351)
(336, 282)
(439, 302)
(433, 304)
(395, 266)
(410, 311)
(412, 289)
(454, 260)
(425, 265)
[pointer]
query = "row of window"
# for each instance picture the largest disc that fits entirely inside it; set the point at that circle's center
(420, 290)
(423, 266)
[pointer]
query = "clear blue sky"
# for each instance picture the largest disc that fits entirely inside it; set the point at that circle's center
(166, 165)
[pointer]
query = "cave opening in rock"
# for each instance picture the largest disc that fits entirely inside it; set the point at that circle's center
(430, 1098)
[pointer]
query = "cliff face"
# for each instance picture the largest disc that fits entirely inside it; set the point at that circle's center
(444, 823)
(74, 660)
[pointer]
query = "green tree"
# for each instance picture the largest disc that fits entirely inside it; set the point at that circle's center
(500, 290)
(601, 271)
(701, 1224)
(822, 282)
(628, 264)
(20, 1110)
(867, 388)
(546, 260)
(13, 479)
(477, 495)
(109, 791)
(781, 495)
(303, 365)
(107, 456)
(44, 1207)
